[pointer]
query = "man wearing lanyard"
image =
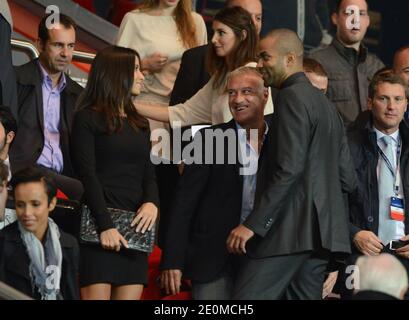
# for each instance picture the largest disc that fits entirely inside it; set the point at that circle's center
(378, 142)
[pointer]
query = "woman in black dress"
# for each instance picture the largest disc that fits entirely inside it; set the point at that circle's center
(111, 154)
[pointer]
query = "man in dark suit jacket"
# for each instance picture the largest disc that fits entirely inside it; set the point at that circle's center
(212, 198)
(373, 227)
(8, 90)
(301, 219)
(46, 101)
(192, 76)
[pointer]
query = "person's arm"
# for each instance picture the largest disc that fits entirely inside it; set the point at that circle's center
(147, 213)
(196, 110)
(347, 172)
(150, 187)
(83, 153)
(84, 161)
(292, 135)
(154, 111)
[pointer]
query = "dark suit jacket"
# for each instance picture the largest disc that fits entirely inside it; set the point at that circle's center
(8, 90)
(207, 207)
(364, 202)
(29, 141)
(303, 207)
(14, 263)
(192, 75)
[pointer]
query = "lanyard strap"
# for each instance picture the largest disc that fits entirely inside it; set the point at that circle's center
(395, 174)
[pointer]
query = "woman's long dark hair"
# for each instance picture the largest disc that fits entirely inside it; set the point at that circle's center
(109, 88)
(245, 50)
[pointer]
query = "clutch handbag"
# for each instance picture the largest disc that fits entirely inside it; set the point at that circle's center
(122, 221)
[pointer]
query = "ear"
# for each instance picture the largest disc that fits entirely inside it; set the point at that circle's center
(243, 35)
(10, 137)
(334, 18)
(370, 104)
(40, 45)
(266, 94)
(291, 59)
(52, 204)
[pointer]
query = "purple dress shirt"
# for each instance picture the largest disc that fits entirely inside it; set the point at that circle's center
(51, 156)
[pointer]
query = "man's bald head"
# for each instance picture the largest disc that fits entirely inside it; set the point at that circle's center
(254, 7)
(281, 55)
(287, 42)
(383, 273)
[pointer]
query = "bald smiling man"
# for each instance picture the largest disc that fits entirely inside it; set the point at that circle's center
(301, 221)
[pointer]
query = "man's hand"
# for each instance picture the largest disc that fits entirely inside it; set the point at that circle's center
(329, 284)
(170, 281)
(236, 242)
(368, 243)
(404, 251)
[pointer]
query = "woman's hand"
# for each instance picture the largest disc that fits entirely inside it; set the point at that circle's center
(111, 239)
(145, 217)
(154, 63)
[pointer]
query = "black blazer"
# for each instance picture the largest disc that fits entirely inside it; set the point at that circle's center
(207, 206)
(192, 75)
(8, 89)
(303, 207)
(364, 202)
(14, 263)
(29, 141)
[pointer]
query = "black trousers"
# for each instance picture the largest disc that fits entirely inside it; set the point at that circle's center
(293, 277)
(167, 177)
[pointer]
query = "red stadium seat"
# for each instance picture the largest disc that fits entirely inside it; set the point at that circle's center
(121, 7)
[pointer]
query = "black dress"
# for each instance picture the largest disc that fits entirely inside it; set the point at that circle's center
(116, 172)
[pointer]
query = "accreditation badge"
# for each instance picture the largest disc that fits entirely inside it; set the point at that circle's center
(397, 209)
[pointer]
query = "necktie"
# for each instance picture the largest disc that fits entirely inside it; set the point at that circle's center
(386, 180)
